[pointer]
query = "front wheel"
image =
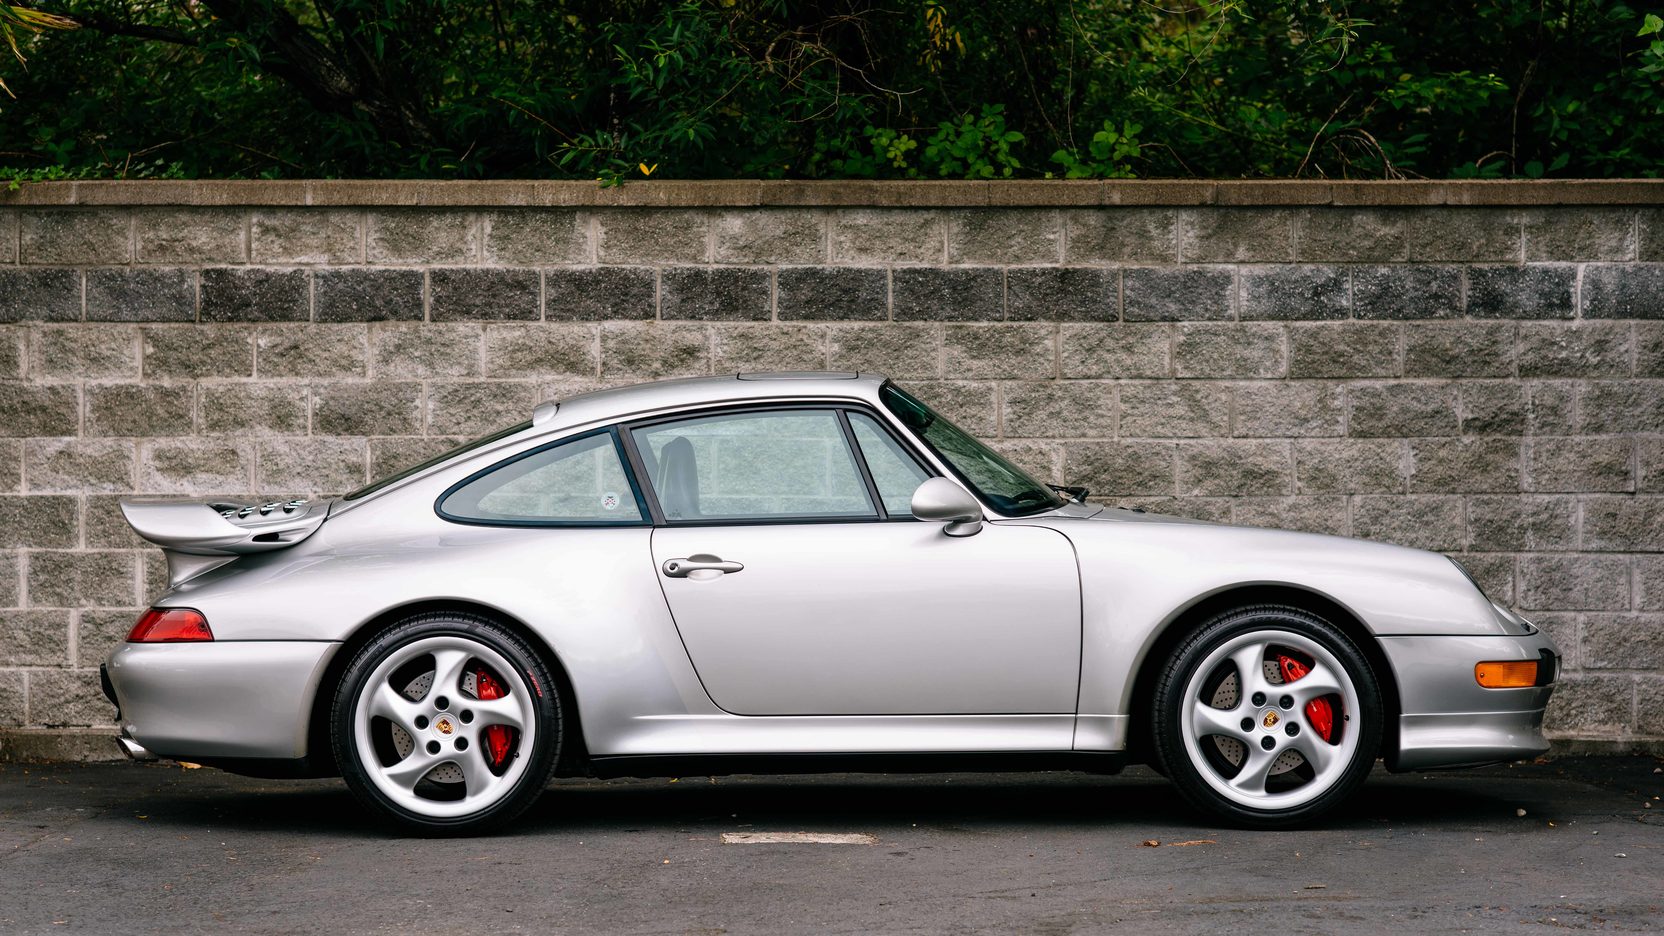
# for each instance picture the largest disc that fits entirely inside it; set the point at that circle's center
(447, 724)
(1267, 717)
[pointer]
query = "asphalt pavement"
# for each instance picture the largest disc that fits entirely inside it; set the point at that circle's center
(111, 849)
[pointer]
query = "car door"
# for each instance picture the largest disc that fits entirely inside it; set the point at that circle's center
(801, 585)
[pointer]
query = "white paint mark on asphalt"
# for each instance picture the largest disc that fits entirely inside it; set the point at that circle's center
(798, 838)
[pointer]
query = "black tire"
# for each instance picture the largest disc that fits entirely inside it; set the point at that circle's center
(1175, 757)
(542, 757)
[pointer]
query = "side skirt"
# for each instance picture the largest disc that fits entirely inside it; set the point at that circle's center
(722, 765)
(716, 765)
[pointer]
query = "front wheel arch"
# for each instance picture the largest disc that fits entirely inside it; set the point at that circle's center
(574, 753)
(1184, 622)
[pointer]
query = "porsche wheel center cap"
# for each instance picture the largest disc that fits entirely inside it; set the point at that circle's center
(444, 726)
(1270, 719)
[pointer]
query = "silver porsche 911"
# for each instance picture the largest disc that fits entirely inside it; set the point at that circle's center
(796, 572)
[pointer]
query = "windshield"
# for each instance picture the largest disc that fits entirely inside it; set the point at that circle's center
(375, 486)
(1007, 488)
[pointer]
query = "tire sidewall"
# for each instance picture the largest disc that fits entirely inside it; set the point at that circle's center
(1170, 707)
(531, 669)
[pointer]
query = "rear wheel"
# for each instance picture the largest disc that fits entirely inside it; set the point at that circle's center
(447, 724)
(1267, 716)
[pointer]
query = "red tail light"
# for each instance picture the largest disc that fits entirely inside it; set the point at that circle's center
(170, 625)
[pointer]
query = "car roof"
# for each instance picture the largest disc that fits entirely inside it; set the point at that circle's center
(619, 403)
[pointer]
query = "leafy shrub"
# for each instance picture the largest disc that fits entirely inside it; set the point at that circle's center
(992, 89)
(1109, 155)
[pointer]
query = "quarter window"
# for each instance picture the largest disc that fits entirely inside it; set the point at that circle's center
(580, 481)
(771, 464)
(894, 472)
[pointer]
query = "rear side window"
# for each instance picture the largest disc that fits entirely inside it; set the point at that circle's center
(578, 481)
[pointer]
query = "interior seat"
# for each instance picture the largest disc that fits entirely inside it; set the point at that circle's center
(678, 481)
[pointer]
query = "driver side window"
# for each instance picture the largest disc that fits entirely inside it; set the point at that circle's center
(764, 465)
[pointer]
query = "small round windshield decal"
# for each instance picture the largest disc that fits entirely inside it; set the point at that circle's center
(609, 500)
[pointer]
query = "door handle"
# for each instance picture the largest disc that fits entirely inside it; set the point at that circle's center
(684, 568)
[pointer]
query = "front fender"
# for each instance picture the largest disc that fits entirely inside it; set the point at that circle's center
(1141, 574)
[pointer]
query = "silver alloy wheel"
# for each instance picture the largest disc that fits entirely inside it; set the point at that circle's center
(1205, 722)
(456, 729)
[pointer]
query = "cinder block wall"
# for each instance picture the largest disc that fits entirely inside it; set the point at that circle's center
(1473, 368)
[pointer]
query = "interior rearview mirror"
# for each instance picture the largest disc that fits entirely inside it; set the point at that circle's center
(943, 501)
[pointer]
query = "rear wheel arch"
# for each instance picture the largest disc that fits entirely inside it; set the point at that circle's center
(1184, 621)
(574, 755)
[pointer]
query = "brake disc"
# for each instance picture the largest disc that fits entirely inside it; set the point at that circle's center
(403, 743)
(1225, 697)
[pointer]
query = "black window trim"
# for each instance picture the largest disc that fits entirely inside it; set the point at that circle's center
(647, 504)
(860, 459)
(638, 465)
(645, 518)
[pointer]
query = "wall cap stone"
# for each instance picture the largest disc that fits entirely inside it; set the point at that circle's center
(740, 193)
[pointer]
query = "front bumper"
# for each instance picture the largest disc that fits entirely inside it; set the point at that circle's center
(1447, 719)
(220, 699)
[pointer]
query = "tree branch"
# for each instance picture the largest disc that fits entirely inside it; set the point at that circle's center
(297, 56)
(109, 25)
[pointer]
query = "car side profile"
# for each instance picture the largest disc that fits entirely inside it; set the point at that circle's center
(789, 572)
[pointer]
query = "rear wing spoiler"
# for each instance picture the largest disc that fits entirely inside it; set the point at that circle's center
(197, 536)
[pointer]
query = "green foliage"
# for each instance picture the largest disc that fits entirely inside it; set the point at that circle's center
(993, 89)
(974, 148)
(1109, 156)
(18, 21)
(1653, 58)
(880, 151)
(968, 148)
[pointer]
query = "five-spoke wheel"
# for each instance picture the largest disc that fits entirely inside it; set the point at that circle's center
(1267, 716)
(442, 723)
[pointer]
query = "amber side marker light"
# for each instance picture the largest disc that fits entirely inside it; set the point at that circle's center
(170, 625)
(1513, 674)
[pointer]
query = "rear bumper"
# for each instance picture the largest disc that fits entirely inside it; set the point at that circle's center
(224, 699)
(1447, 719)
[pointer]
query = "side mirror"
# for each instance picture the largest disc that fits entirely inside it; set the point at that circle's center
(943, 501)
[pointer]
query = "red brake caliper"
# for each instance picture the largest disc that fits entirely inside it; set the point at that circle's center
(497, 738)
(1318, 711)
